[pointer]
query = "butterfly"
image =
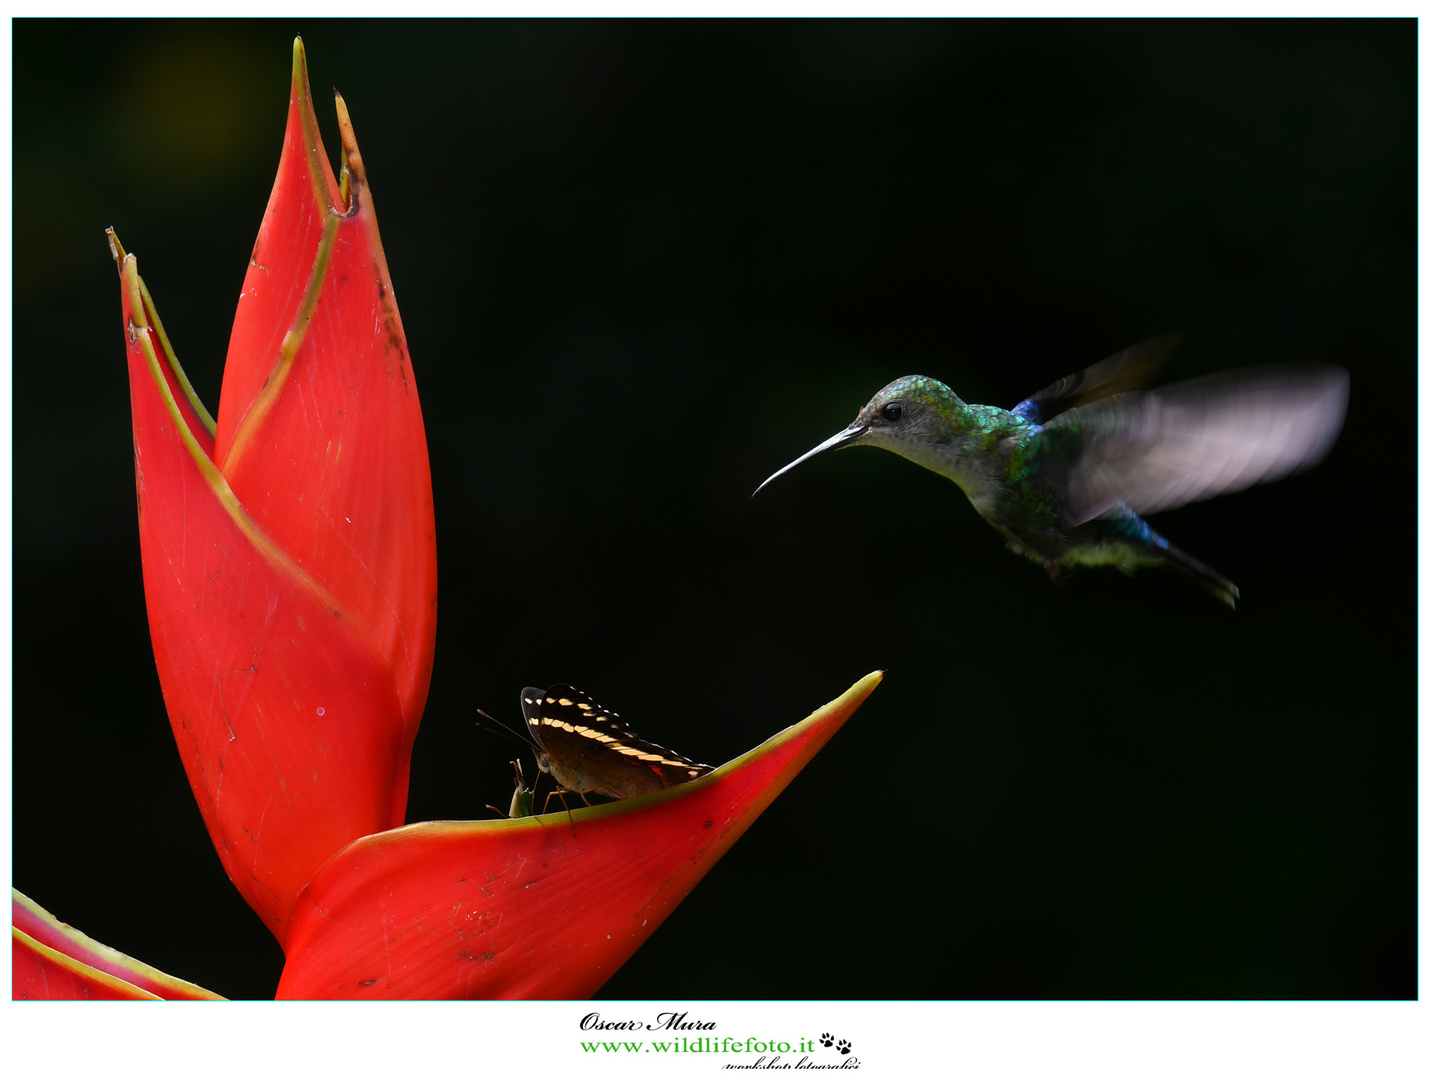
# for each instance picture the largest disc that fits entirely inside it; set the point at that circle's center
(586, 747)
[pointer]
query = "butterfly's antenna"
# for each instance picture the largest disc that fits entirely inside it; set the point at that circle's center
(503, 729)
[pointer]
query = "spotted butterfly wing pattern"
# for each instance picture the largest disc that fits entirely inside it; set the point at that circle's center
(586, 747)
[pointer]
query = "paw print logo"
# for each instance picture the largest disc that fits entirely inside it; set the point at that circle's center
(843, 1047)
(826, 1039)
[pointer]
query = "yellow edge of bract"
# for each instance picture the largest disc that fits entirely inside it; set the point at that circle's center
(118, 252)
(79, 969)
(219, 486)
(309, 126)
(85, 941)
(294, 337)
(851, 699)
(353, 166)
(153, 316)
(347, 196)
(363, 206)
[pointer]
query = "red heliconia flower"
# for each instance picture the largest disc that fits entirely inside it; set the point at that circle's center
(288, 551)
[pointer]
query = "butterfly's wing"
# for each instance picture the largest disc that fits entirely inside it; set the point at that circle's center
(1126, 370)
(591, 749)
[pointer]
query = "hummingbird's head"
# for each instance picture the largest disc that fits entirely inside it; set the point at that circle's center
(909, 417)
(911, 411)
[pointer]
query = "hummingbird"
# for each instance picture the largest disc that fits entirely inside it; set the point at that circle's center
(1065, 475)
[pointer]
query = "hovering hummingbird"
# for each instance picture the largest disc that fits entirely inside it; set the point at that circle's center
(1065, 475)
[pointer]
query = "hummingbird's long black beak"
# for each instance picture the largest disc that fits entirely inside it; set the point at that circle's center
(835, 442)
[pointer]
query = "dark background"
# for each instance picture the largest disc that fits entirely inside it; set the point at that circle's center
(644, 264)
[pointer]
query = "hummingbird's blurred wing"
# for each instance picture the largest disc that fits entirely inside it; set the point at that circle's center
(1126, 370)
(1155, 449)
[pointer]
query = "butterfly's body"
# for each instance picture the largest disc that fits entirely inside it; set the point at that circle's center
(587, 748)
(1065, 475)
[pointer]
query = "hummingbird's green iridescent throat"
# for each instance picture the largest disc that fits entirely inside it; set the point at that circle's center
(1065, 475)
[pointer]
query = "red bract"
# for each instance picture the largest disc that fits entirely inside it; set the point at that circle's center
(289, 564)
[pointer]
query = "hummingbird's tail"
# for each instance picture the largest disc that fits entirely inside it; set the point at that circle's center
(1212, 581)
(1133, 543)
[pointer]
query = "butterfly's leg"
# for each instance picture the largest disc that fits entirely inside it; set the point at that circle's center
(561, 792)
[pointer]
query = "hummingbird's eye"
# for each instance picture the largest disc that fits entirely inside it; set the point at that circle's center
(892, 410)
